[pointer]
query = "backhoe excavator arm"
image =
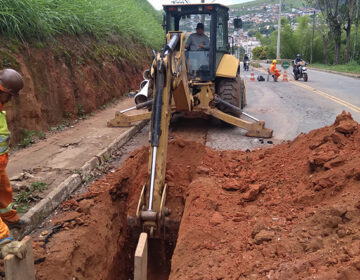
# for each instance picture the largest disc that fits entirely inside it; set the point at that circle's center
(171, 93)
(169, 71)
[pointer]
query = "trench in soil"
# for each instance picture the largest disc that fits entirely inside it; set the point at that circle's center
(94, 226)
(183, 159)
(160, 251)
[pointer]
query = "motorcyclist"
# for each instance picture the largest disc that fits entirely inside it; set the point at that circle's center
(246, 62)
(297, 60)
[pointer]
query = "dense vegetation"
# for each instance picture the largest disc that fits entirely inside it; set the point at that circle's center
(42, 19)
(298, 40)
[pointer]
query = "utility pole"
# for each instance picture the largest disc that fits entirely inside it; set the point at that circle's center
(278, 38)
(203, 16)
(312, 39)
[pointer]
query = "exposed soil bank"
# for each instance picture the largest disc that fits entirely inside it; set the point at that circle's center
(287, 212)
(69, 78)
(92, 240)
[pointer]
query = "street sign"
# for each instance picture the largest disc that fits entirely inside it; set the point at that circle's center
(286, 65)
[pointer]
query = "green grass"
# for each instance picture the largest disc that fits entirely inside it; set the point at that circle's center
(351, 67)
(28, 138)
(41, 19)
(28, 195)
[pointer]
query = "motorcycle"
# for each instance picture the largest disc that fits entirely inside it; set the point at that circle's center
(301, 71)
(246, 65)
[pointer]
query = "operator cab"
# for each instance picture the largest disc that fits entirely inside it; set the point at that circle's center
(201, 64)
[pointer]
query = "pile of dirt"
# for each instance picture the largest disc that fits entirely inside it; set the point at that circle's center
(287, 212)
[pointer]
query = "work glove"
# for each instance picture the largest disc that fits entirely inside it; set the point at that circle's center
(9, 246)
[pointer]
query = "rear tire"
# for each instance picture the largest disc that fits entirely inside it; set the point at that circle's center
(229, 90)
(243, 93)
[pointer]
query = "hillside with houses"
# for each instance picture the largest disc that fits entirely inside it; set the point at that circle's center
(262, 16)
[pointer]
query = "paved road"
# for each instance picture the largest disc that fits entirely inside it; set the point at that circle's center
(290, 108)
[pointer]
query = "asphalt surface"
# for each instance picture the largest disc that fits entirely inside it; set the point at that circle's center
(291, 108)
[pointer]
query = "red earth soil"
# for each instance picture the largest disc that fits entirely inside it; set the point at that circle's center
(69, 77)
(286, 212)
(92, 242)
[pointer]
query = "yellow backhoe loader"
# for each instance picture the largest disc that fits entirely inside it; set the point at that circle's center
(205, 81)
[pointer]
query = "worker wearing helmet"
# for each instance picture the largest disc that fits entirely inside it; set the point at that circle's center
(11, 83)
(274, 72)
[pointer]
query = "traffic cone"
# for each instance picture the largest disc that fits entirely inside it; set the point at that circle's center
(252, 75)
(285, 77)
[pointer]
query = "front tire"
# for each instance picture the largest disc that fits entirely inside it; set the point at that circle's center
(229, 90)
(305, 76)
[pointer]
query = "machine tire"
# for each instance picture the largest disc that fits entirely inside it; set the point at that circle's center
(243, 93)
(296, 77)
(305, 77)
(230, 90)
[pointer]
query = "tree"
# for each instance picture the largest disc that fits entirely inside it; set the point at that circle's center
(289, 46)
(259, 52)
(347, 13)
(323, 29)
(303, 34)
(356, 29)
(331, 12)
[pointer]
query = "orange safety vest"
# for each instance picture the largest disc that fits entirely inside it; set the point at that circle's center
(273, 68)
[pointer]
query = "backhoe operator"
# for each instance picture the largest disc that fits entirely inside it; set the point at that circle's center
(198, 41)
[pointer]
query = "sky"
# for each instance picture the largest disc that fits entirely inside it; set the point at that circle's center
(158, 3)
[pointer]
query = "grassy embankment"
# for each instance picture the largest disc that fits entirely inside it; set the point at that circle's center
(79, 33)
(351, 67)
(29, 20)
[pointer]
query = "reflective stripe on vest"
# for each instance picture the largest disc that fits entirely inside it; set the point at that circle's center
(7, 209)
(4, 134)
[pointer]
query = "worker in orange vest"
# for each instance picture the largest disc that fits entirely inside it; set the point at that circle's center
(11, 83)
(274, 72)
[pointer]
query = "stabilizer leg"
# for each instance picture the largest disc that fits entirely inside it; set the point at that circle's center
(254, 129)
(122, 120)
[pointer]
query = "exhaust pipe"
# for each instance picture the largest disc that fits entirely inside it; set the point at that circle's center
(142, 95)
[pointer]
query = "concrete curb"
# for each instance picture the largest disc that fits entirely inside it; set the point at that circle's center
(60, 193)
(351, 75)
